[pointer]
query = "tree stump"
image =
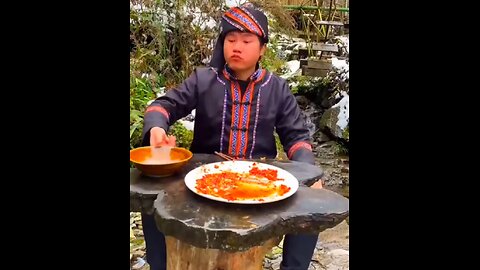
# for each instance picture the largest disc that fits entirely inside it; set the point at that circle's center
(183, 256)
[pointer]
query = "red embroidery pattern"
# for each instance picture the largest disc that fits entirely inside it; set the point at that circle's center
(158, 108)
(297, 146)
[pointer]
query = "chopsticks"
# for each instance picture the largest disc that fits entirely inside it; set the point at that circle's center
(224, 156)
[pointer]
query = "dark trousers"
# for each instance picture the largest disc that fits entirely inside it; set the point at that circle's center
(297, 249)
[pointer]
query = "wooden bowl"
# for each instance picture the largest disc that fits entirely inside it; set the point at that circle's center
(169, 161)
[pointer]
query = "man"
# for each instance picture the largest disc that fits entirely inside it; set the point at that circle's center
(238, 106)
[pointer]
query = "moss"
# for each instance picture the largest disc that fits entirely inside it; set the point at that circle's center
(346, 134)
(280, 151)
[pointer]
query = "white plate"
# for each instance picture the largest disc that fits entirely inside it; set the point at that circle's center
(241, 167)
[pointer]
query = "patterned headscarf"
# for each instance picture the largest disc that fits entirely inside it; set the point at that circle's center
(245, 18)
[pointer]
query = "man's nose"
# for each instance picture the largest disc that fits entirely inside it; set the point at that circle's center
(237, 47)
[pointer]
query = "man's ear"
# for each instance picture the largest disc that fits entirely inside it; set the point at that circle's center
(262, 52)
(263, 49)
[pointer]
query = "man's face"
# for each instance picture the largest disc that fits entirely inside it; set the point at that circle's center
(242, 50)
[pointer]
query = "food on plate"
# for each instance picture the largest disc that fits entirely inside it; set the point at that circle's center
(256, 184)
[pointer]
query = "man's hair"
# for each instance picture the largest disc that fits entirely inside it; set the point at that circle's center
(262, 41)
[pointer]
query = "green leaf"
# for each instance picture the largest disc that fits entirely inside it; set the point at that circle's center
(133, 128)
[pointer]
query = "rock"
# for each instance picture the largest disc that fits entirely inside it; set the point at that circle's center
(139, 264)
(333, 178)
(327, 144)
(346, 180)
(310, 114)
(343, 161)
(315, 265)
(327, 101)
(302, 102)
(325, 152)
(327, 162)
(338, 252)
(321, 137)
(335, 254)
(334, 121)
(276, 263)
(267, 264)
(132, 235)
(328, 122)
(138, 253)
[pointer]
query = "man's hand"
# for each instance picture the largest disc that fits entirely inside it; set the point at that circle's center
(158, 137)
(317, 185)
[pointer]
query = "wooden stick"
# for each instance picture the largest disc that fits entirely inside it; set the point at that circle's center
(224, 156)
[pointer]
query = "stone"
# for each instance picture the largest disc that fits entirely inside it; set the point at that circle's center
(321, 137)
(204, 223)
(302, 102)
(338, 252)
(328, 122)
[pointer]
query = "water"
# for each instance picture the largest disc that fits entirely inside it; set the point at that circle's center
(160, 155)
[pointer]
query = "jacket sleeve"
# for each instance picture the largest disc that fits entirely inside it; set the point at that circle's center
(175, 104)
(291, 128)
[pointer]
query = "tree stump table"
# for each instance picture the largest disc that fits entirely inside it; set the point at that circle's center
(211, 235)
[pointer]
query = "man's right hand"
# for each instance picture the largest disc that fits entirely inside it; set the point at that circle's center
(158, 137)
